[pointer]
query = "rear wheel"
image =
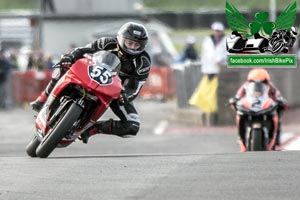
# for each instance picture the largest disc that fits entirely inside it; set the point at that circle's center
(32, 145)
(59, 131)
(256, 140)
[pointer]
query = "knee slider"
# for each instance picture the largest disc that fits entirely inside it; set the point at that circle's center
(133, 128)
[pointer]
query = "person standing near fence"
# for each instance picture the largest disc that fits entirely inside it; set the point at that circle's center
(48, 5)
(213, 58)
(189, 52)
(5, 67)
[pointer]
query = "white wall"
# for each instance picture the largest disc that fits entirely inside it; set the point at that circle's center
(59, 35)
(95, 6)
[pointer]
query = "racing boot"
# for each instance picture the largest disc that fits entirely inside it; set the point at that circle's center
(111, 127)
(37, 104)
(99, 127)
(242, 146)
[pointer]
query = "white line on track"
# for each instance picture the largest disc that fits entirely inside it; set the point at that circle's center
(161, 127)
(290, 141)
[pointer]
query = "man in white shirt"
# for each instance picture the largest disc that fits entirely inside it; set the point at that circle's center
(213, 51)
(213, 58)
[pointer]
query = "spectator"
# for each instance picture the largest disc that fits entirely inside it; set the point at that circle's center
(49, 63)
(5, 67)
(30, 63)
(14, 61)
(40, 61)
(48, 4)
(189, 52)
(213, 58)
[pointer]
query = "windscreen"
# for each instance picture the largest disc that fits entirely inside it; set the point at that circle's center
(257, 89)
(107, 60)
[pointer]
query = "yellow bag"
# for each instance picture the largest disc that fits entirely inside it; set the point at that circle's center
(205, 95)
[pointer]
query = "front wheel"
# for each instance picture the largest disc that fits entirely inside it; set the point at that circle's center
(59, 131)
(256, 140)
(32, 145)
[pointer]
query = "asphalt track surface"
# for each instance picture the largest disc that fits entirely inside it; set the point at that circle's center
(166, 160)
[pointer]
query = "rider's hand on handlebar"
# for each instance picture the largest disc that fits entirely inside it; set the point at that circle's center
(282, 102)
(232, 103)
(66, 61)
(123, 99)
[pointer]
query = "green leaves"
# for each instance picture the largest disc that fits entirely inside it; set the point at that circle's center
(261, 24)
(287, 18)
(235, 19)
(268, 27)
(237, 22)
(254, 27)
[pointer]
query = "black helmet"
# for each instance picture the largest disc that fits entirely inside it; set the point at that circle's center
(135, 32)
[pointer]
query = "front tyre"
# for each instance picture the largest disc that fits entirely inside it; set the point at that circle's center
(59, 131)
(32, 145)
(256, 140)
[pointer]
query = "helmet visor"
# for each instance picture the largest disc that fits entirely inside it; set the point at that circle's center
(132, 47)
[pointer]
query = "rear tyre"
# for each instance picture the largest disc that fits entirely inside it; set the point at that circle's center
(59, 131)
(32, 145)
(256, 140)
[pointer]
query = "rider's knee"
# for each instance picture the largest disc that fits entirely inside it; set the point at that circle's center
(133, 128)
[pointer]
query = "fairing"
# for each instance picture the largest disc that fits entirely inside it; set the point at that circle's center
(96, 78)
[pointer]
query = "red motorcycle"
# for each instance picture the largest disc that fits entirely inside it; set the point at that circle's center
(257, 117)
(77, 101)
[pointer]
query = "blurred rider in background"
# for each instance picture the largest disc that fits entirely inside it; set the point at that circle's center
(129, 45)
(262, 75)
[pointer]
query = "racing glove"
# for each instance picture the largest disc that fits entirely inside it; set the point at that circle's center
(282, 102)
(123, 99)
(67, 61)
(232, 102)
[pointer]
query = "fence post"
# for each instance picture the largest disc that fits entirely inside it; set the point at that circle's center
(187, 77)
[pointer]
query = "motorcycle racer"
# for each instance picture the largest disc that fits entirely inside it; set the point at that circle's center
(258, 75)
(129, 46)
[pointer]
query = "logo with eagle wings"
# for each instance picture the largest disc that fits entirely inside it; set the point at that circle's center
(261, 35)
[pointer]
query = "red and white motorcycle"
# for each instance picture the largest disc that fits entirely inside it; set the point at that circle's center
(260, 119)
(77, 101)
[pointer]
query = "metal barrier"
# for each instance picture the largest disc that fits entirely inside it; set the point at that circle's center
(187, 78)
(160, 84)
(27, 86)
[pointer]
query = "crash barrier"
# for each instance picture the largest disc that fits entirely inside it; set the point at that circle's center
(160, 84)
(26, 86)
(187, 76)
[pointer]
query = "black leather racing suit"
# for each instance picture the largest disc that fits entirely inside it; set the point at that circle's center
(133, 74)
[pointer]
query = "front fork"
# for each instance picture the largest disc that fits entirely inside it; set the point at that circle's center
(269, 144)
(275, 120)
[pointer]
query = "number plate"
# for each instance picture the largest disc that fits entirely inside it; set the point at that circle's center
(100, 74)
